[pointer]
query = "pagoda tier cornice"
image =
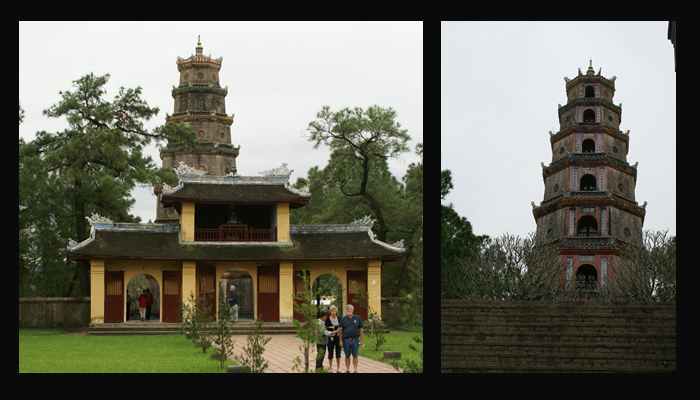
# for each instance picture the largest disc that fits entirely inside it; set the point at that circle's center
(593, 245)
(203, 148)
(595, 199)
(589, 101)
(198, 60)
(208, 88)
(588, 128)
(589, 160)
(199, 116)
(610, 83)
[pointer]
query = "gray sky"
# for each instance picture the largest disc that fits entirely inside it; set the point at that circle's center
(500, 86)
(279, 76)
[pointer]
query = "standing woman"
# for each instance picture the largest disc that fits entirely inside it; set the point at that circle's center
(333, 325)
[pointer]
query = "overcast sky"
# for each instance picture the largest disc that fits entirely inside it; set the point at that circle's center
(279, 76)
(500, 86)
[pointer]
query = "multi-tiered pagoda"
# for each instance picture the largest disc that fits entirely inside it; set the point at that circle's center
(589, 207)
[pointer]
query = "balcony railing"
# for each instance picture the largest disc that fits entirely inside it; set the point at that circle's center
(235, 233)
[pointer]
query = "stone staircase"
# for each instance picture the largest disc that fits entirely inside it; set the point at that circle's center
(524, 337)
(164, 328)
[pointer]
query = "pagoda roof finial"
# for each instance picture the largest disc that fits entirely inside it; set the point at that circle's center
(590, 70)
(199, 47)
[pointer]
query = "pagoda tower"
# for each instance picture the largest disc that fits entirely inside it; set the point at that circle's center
(589, 208)
(200, 101)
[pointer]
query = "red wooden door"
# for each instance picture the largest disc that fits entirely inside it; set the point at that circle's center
(114, 296)
(268, 293)
(357, 292)
(206, 289)
(298, 291)
(172, 296)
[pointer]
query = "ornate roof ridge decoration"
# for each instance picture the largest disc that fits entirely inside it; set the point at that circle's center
(139, 227)
(96, 218)
(393, 246)
(183, 170)
(199, 57)
(367, 220)
(282, 170)
(328, 228)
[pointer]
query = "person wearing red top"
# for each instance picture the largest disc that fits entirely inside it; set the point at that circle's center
(149, 303)
(143, 302)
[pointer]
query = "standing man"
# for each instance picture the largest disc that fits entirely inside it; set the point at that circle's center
(233, 303)
(351, 336)
(149, 303)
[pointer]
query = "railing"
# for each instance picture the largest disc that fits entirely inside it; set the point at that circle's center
(235, 233)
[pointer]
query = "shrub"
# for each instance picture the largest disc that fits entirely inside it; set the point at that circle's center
(253, 351)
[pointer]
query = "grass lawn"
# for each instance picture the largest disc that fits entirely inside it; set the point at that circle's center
(395, 341)
(58, 351)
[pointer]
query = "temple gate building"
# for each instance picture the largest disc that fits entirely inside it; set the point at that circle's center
(217, 232)
(589, 208)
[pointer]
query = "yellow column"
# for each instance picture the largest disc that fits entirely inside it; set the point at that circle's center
(283, 222)
(286, 292)
(374, 287)
(97, 291)
(189, 282)
(187, 221)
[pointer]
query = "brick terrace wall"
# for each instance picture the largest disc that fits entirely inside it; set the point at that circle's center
(54, 312)
(530, 337)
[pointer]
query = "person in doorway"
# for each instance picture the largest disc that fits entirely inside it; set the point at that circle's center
(322, 342)
(149, 303)
(143, 301)
(351, 335)
(233, 302)
(333, 326)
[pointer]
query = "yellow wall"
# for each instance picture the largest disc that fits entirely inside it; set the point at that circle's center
(286, 292)
(336, 268)
(283, 222)
(187, 221)
(189, 280)
(97, 291)
(374, 287)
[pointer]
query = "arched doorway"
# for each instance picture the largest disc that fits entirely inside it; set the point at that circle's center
(328, 291)
(136, 286)
(236, 288)
(587, 226)
(588, 183)
(588, 146)
(589, 116)
(586, 278)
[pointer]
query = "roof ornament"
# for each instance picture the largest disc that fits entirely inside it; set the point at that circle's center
(199, 47)
(627, 132)
(532, 203)
(579, 72)
(366, 221)
(613, 78)
(644, 206)
(550, 133)
(183, 169)
(566, 79)
(599, 70)
(72, 243)
(399, 244)
(542, 164)
(590, 70)
(282, 170)
(96, 218)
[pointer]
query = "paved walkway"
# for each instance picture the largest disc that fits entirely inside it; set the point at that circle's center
(282, 349)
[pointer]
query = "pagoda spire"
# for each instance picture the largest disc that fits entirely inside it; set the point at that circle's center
(590, 70)
(199, 47)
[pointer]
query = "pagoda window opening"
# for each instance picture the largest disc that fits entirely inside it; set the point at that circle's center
(588, 183)
(587, 226)
(235, 223)
(589, 116)
(588, 146)
(586, 278)
(590, 91)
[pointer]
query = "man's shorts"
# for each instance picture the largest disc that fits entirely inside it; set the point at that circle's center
(351, 346)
